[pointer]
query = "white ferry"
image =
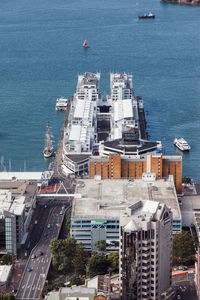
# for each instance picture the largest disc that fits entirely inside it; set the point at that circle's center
(181, 144)
(61, 104)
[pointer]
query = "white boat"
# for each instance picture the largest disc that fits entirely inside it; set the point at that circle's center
(181, 144)
(61, 104)
(48, 149)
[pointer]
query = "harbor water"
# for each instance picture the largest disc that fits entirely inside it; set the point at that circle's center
(42, 55)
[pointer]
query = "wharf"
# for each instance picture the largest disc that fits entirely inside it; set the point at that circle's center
(142, 121)
(58, 158)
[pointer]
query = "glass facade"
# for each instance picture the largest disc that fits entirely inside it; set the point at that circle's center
(2, 235)
(8, 229)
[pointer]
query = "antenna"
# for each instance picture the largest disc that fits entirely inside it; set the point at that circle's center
(164, 145)
(3, 168)
(10, 166)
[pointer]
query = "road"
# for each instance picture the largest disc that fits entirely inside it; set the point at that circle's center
(32, 283)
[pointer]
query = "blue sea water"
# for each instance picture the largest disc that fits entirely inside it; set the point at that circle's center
(41, 56)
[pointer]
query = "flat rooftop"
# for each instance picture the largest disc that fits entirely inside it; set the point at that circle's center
(109, 198)
(10, 204)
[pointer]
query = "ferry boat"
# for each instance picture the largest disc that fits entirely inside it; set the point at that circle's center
(48, 149)
(85, 44)
(61, 104)
(181, 144)
(149, 16)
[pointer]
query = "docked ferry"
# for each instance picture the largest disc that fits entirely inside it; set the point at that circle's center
(181, 144)
(61, 104)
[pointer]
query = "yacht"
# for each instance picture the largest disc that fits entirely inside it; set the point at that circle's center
(181, 144)
(48, 149)
(85, 44)
(61, 104)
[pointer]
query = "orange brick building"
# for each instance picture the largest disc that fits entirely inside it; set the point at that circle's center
(119, 166)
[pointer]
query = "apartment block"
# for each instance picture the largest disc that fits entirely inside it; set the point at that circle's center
(123, 166)
(145, 250)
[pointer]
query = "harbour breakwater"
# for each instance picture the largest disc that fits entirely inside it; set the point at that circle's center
(185, 2)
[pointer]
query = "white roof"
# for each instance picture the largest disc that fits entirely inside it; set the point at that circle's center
(123, 109)
(7, 203)
(75, 133)
(20, 175)
(4, 272)
(150, 206)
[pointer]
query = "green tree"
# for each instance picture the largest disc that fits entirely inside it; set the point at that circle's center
(6, 259)
(76, 280)
(68, 223)
(101, 245)
(80, 260)
(113, 259)
(183, 248)
(63, 252)
(8, 296)
(97, 265)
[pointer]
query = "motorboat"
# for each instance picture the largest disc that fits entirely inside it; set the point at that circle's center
(147, 16)
(181, 144)
(61, 104)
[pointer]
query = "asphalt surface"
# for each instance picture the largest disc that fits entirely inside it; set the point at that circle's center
(185, 288)
(32, 282)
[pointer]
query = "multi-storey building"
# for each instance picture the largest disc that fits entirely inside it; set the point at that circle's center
(145, 250)
(98, 205)
(12, 219)
(124, 166)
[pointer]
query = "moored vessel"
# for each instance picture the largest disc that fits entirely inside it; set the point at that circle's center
(147, 16)
(61, 104)
(48, 149)
(181, 144)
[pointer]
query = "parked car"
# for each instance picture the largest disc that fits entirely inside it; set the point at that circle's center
(33, 256)
(41, 253)
(29, 269)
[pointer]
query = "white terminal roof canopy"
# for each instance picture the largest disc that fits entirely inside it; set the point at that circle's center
(123, 109)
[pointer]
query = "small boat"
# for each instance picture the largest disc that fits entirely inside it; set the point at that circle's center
(149, 16)
(85, 44)
(181, 144)
(61, 104)
(48, 149)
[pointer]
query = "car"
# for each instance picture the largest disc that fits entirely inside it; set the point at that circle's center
(41, 253)
(29, 269)
(33, 256)
(49, 226)
(178, 297)
(61, 212)
(184, 268)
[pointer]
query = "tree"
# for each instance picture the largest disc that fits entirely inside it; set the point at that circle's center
(63, 252)
(97, 265)
(183, 248)
(113, 259)
(101, 245)
(8, 296)
(68, 223)
(6, 259)
(80, 260)
(76, 280)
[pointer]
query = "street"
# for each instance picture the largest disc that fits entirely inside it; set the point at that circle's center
(34, 276)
